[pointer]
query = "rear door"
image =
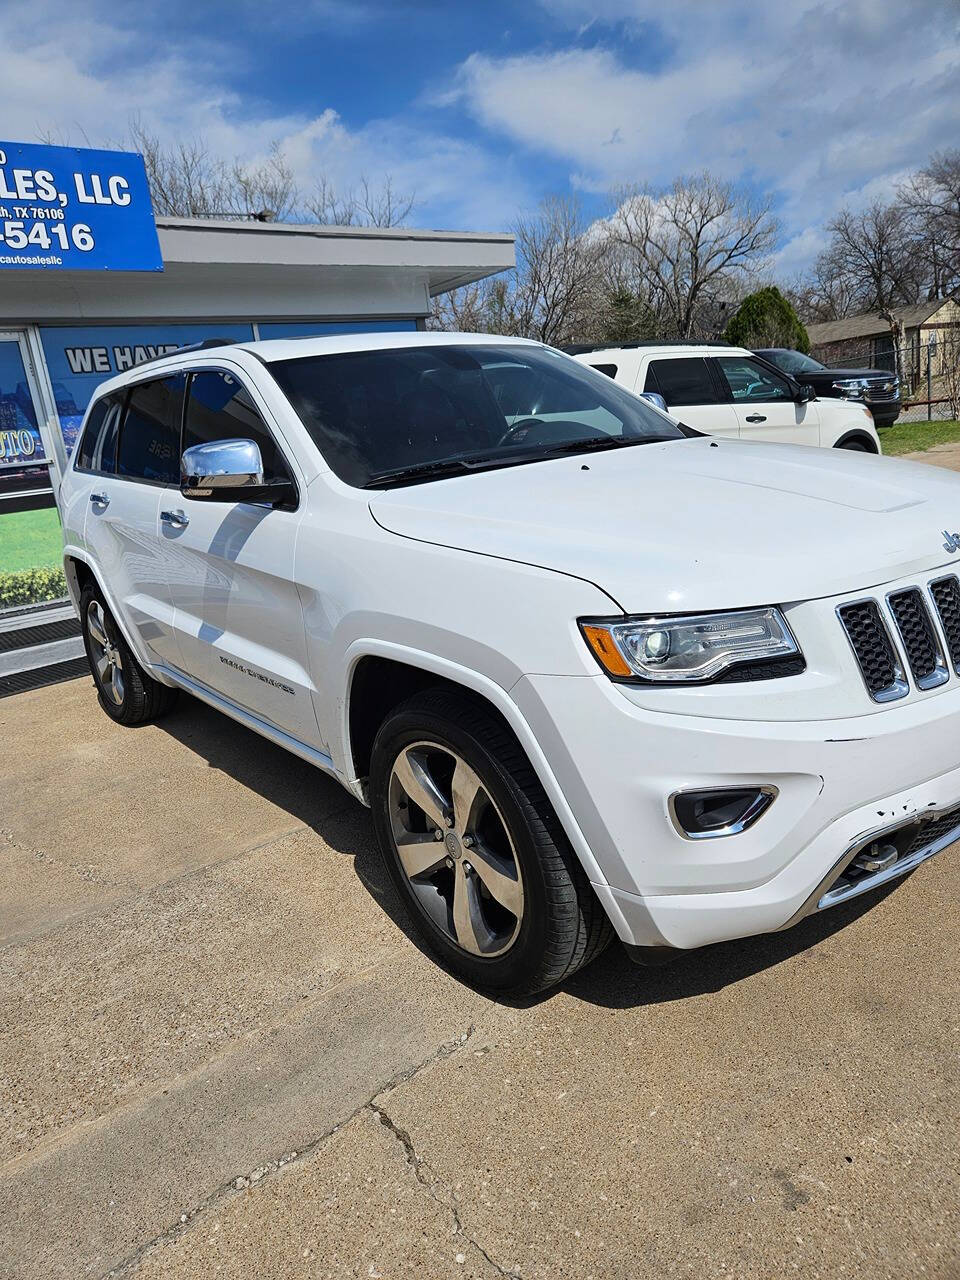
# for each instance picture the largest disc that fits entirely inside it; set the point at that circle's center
(238, 616)
(133, 466)
(764, 403)
(693, 394)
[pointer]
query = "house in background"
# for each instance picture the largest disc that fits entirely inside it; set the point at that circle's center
(931, 334)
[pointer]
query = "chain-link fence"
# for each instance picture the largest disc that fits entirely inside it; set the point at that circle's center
(929, 367)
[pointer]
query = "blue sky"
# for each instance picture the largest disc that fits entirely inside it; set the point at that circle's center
(481, 109)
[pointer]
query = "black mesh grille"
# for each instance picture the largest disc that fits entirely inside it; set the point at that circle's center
(771, 669)
(916, 631)
(871, 644)
(946, 595)
(928, 832)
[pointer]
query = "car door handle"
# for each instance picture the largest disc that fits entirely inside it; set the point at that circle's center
(175, 519)
(100, 499)
(755, 417)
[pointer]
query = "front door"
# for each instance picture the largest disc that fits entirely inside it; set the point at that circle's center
(765, 405)
(238, 615)
(31, 545)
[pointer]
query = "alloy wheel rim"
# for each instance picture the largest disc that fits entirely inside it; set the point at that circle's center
(455, 850)
(106, 655)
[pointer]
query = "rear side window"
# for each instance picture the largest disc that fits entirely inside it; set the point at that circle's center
(683, 380)
(609, 369)
(220, 408)
(97, 450)
(149, 446)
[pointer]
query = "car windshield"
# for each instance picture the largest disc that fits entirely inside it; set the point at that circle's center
(419, 412)
(793, 361)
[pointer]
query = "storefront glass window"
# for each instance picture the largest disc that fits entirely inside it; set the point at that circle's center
(80, 359)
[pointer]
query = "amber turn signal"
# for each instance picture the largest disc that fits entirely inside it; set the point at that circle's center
(607, 653)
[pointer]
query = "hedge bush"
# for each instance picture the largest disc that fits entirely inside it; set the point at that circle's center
(31, 586)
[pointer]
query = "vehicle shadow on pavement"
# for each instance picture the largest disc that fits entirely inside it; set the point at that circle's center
(615, 982)
(612, 981)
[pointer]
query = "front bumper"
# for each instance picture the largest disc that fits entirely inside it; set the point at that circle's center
(839, 783)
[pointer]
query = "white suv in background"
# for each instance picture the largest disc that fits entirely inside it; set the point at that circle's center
(727, 391)
(592, 673)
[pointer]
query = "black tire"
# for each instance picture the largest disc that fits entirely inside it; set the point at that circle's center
(563, 926)
(139, 698)
(855, 446)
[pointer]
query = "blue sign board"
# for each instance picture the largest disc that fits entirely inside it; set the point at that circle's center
(72, 209)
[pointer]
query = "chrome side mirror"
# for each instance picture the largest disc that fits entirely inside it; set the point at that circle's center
(221, 464)
(229, 471)
(656, 399)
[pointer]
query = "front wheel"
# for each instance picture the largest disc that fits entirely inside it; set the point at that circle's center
(855, 446)
(125, 691)
(475, 849)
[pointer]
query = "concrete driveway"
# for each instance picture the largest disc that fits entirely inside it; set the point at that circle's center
(221, 1054)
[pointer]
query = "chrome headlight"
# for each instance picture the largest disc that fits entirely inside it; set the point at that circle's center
(852, 388)
(687, 650)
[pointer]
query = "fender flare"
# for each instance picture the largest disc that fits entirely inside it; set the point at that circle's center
(861, 437)
(500, 699)
(73, 553)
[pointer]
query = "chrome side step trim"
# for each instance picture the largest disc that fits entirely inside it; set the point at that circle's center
(264, 727)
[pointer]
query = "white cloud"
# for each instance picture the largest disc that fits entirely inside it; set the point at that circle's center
(83, 78)
(819, 101)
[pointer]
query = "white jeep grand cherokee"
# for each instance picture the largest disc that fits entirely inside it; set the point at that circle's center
(592, 673)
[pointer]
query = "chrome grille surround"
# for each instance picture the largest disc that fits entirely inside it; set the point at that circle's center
(874, 650)
(945, 593)
(918, 636)
(910, 629)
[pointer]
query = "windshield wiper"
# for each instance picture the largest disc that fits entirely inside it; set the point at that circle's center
(444, 467)
(487, 461)
(602, 442)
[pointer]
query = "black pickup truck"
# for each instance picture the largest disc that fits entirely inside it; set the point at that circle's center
(876, 388)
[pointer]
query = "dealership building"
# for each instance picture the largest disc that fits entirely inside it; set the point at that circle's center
(64, 330)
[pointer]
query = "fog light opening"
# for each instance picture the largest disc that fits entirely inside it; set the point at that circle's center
(719, 811)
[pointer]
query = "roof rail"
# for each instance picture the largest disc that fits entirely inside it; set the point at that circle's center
(581, 348)
(191, 346)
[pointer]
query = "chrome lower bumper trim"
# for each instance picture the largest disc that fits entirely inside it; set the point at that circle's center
(863, 884)
(828, 894)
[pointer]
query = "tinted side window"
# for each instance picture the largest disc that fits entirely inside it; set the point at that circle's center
(220, 408)
(91, 435)
(609, 369)
(749, 380)
(681, 381)
(97, 450)
(149, 446)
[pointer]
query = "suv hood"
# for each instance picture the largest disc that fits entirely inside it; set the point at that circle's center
(832, 375)
(696, 524)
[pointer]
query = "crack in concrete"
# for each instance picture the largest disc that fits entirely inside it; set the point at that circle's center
(261, 1173)
(420, 1168)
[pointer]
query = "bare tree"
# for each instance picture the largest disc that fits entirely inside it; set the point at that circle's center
(364, 205)
(875, 253)
(823, 293)
(557, 275)
(553, 293)
(931, 199)
(693, 244)
(186, 180)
